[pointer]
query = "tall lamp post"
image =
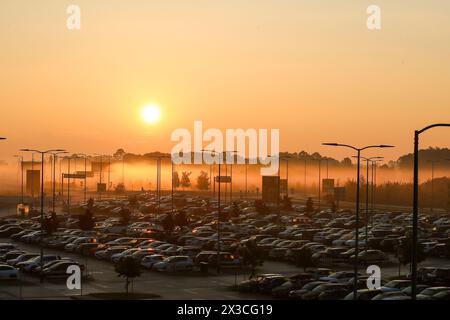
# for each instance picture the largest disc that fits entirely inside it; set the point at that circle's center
(218, 206)
(54, 159)
(358, 150)
(158, 179)
(42, 202)
(21, 176)
(85, 156)
(366, 212)
(101, 173)
(432, 184)
(319, 161)
(415, 206)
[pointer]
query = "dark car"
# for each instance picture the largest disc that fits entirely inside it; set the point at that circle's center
(298, 294)
(363, 294)
(326, 287)
(59, 269)
(335, 294)
(10, 231)
(266, 285)
(251, 285)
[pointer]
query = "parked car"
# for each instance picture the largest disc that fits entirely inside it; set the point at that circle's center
(428, 293)
(8, 272)
(21, 258)
(370, 257)
(28, 266)
(175, 263)
(148, 261)
(395, 285)
(338, 277)
(363, 294)
(59, 269)
(298, 294)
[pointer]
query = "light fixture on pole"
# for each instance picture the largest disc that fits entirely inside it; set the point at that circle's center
(416, 206)
(21, 174)
(358, 150)
(42, 203)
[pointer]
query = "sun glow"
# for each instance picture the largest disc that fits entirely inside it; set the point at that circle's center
(151, 113)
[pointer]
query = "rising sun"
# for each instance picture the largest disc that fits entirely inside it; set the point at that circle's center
(151, 113)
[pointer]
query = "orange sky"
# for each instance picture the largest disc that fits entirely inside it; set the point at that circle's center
(310, 68)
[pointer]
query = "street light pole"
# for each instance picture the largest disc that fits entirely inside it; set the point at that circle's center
(432, 185)
(415, 206)
(366, 216)
(246, 185)
(218, 207)
(85, 174)
(358, 150)
(41, 236)
(21, 174)
(54, 159)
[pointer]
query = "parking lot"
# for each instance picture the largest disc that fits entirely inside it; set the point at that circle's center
(99, 235)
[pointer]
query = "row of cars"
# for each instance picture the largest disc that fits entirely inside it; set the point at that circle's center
(14, 260)
(324, 284)
(329, 235)
(150, 253)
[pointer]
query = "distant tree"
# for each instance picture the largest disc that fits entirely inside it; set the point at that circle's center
(133, 201)
(261, 207)
(50, 224)
(224, 216)
(90, 203)
(185, 180)
(203, 181)
(286, 203)
(404, 254)
(176, 180)
(119, 154)
(180, 219)
(128, 268)
(168, 223)
(251, 255)
(303, 258)
(86, 221)
(346, 162)
(125, 216)
(309, 205)
(120, 188)
(235, 211)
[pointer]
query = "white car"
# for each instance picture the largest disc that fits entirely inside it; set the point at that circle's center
(149, 261)
(28, 266)
(174, 263)
(22, 258)
(6, 247)
(72, 246)
(8, 272)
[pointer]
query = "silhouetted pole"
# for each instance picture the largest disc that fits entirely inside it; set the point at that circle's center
(41, 236)
(21, 174)
(304, 177)
(218, 208)
(246, 182)
(171, 162)
(85, 175)
(366, 216)
(54, 158)
(358, 150)
(68, 185)
(432, 185)
(415, 207)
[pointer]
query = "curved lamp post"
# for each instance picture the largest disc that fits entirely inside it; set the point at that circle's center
(366, 217)
(415, 206)
(42, 201)
(358, 150)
